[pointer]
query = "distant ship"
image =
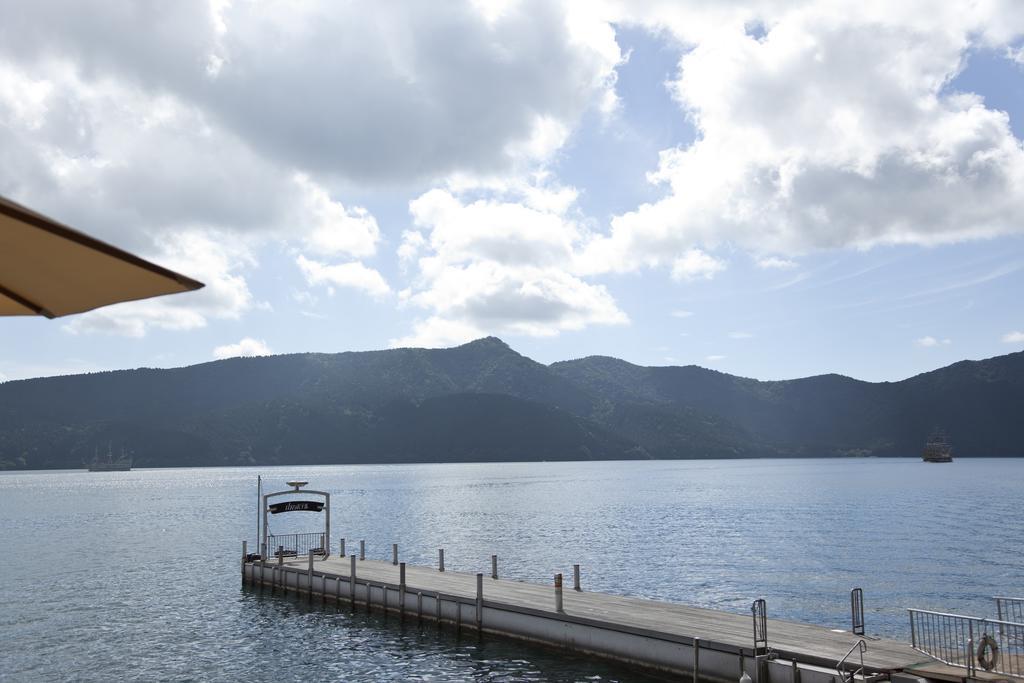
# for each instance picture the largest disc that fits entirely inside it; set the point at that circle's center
(938, 448)
(109, 464)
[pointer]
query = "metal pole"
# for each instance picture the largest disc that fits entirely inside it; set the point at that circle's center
(263, 566)
(696, 660)
(266, 532)
(309, 577)
(352, 581)
(362, 550)
(401, 590)
(280, 555)
(259, 507)
(576, 577)
(394, 553)
(327, 524)
(245, 553)
(440, 559)
(341, 548)
(494, 566)
(558, 593)
(479, 601)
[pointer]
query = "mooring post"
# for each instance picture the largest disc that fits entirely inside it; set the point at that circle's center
(494, 566)
(341, 548)
(245, 552)
(401, 590)
(576, 577)
(440, 559)
(558, 593)
(696, 660)
(796, 673)
(419, 607)
(352, 580)
(280, 555)
(309, 577)
(479, 601)
(394, 553)
(362, 550)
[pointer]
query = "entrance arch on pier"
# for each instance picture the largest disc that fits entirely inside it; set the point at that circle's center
(315, 543)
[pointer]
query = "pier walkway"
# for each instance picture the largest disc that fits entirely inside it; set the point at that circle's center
(667, 636)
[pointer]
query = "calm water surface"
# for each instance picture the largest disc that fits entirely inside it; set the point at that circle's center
(134, 575)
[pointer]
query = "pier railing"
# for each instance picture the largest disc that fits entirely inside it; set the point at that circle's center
(970, 642)
(1010, 609)
(292, 545)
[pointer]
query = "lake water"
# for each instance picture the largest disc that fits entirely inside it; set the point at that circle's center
(134, 575)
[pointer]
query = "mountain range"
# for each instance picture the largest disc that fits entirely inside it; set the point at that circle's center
(482, 401)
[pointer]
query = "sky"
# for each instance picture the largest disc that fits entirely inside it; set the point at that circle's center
(772, 188)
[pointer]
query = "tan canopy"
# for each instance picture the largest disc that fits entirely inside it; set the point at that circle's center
(50, 269)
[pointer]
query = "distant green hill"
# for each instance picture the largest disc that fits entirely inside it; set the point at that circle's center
(483, 401)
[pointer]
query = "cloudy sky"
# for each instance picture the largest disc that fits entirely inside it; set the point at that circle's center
(772, 188)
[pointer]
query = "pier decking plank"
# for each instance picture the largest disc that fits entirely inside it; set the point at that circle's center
(804, 642)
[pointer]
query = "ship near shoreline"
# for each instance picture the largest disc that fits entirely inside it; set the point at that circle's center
(108, 463)
(938, 448)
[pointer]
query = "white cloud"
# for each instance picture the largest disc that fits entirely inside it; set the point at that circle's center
(435, 332)
(740, 335)
(499, 266)
(390, 93)
(1015, 337)
(146, 129)
(774, 262)
(714, 358)
(352, 275)
(337, 230)
(244, 347)
(835, 129)
(929, 341)
(207, 257)
(695, 263)
(681, 314)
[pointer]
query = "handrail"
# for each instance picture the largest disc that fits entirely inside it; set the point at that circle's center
(965, 616)
(841, 664)
(1010, 609)
(315, 543)
(958, 640)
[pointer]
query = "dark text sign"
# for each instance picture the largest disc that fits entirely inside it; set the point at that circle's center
(297, 506)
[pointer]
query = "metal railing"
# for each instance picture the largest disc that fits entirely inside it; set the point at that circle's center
(857, 611)
(842, 668)
(292, 545)
(970, 642)
(1010, 609)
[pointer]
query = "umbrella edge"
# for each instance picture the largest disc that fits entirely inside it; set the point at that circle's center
(38, 220)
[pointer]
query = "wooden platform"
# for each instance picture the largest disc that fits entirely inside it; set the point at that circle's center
(721, 631)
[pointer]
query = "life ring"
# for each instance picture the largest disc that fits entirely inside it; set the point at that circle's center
(988, 652)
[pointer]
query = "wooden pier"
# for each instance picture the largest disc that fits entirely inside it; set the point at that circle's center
(674, 638)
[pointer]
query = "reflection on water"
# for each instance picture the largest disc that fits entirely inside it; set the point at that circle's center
(135, 574)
